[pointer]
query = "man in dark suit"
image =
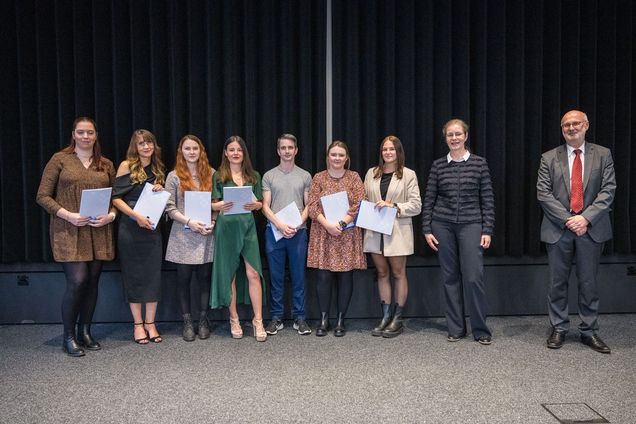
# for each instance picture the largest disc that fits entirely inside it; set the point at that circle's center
(575, 188)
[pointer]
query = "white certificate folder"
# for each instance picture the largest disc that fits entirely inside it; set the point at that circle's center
(95, 202)
(289, 215)
(151, 204)
(372, 218)
(239, 196)
(336, 206)
(198, 206)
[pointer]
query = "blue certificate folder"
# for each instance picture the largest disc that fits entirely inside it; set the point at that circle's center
(151, 204)
(95, 202)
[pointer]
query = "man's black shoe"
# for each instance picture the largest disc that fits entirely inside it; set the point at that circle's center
(556, 339)
(595, 343)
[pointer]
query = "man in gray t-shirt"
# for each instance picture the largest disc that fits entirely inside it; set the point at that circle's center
(283, 185)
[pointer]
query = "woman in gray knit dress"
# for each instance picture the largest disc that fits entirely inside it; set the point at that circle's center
(191, 242)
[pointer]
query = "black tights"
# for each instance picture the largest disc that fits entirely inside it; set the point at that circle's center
(325, 286)
(203, 273)
(80, 297)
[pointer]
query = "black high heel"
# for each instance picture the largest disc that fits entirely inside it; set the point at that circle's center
(143, 340)
(155, 339)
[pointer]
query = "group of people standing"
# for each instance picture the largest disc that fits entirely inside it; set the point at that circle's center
(457, 222)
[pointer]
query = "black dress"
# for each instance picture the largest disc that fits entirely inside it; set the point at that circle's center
(139, 249)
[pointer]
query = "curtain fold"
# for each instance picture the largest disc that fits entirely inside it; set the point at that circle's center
(257, 69)
(213, 69)
(510, 69)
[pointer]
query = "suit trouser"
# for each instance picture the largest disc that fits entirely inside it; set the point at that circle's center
(587, 253)
(461, 261)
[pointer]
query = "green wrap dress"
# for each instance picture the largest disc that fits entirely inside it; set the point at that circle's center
(236, 242)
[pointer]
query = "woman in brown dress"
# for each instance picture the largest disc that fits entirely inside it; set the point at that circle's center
(78, 242)
(334, 250)
(139, 243)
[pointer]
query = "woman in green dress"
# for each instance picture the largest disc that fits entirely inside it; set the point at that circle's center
(232, 278)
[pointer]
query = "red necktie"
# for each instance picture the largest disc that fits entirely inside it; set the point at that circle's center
(576, 184)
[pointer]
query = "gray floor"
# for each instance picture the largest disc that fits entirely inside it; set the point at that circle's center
(417, 377)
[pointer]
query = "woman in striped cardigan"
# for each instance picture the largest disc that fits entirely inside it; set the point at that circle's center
(458, 217)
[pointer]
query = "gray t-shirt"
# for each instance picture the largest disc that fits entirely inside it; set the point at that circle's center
(287, 187)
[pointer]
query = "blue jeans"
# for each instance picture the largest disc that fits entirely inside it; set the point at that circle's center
(277, 253)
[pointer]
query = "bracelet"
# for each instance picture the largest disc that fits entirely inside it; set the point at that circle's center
(187, 222)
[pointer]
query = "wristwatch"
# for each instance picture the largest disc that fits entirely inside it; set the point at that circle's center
(395, 205)
(342, 224)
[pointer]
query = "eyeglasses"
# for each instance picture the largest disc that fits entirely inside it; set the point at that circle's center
(456, 134)
(144, 143)
(575, 124)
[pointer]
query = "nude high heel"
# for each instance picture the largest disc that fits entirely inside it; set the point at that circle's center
(235, 328)
(259, 330)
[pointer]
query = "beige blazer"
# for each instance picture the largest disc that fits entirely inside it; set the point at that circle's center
(406, 193)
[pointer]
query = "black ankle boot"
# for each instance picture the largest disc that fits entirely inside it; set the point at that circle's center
(340, 329)
(85, 339)
(204, 326)
(396, 326)
(188, 328)
(323, 327)
(70, 345)
(386, 319)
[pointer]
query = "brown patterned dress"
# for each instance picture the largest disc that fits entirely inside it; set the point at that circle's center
(63, 180)
(344, 252)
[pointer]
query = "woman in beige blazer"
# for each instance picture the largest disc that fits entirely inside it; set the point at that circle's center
(391, 184)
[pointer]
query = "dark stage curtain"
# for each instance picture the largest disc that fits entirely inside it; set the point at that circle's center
(210, 68)
(508, 68)
(257, 69)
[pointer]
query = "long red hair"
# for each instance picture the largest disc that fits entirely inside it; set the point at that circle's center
(204, 170)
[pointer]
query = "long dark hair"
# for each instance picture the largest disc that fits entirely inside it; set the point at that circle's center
(97, 149)
(225, 173)
(399, 150)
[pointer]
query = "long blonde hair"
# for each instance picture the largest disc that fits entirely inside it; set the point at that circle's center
(137, 173)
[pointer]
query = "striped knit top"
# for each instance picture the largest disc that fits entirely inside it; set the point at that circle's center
(459, 192)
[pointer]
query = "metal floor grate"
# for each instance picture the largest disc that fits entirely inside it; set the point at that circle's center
(574, 413)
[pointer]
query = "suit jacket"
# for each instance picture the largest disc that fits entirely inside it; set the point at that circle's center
(553, 192)
(406, 193)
